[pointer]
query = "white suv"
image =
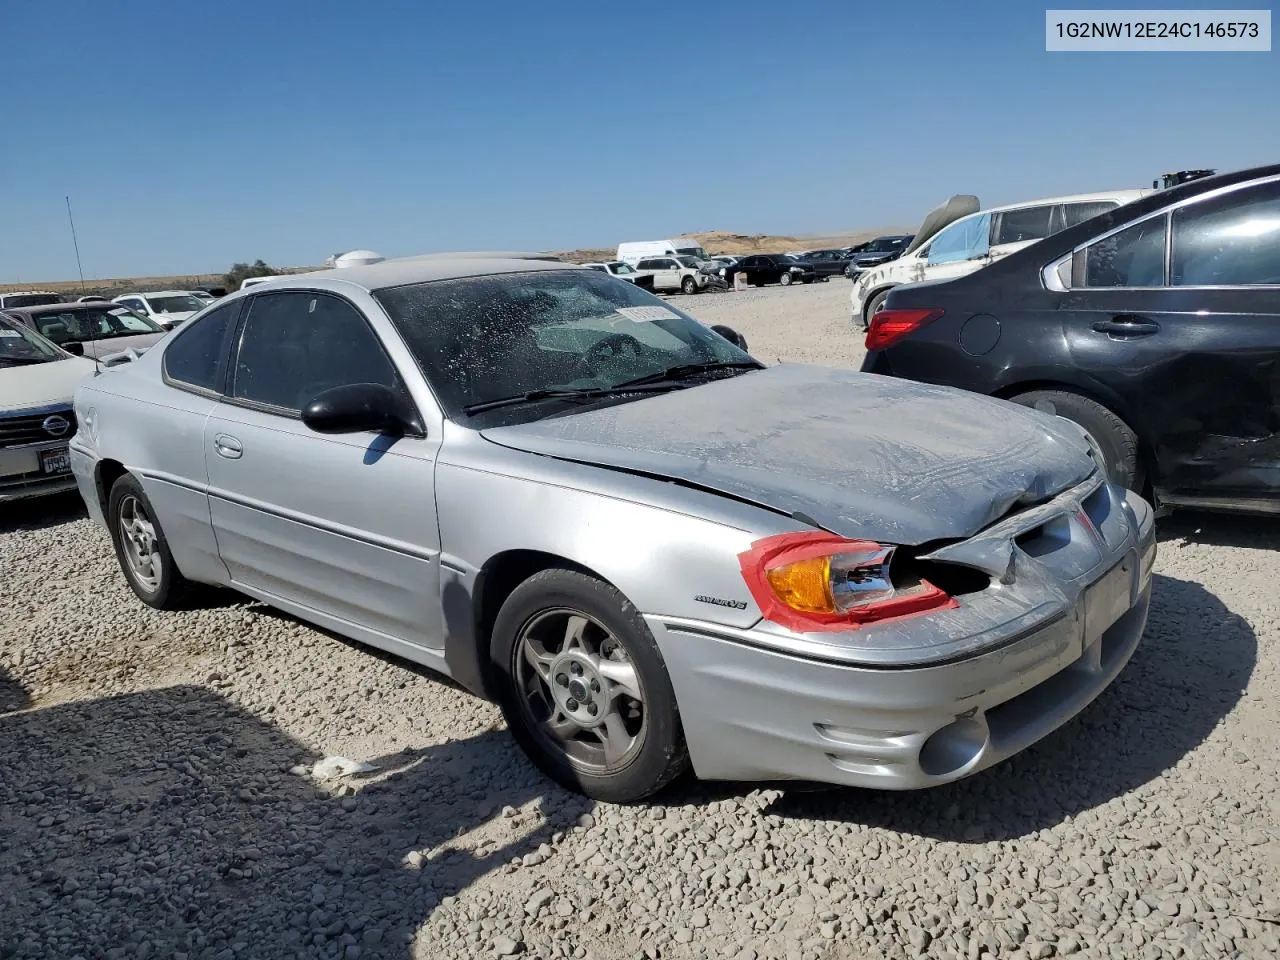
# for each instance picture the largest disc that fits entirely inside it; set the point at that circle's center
(168, 308)
(674, 273)
(961, 246)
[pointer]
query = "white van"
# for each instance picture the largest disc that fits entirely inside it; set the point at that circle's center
(634, 251)
(954, 247)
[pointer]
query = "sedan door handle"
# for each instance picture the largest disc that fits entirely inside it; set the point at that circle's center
(1127, 326)
(227, 446)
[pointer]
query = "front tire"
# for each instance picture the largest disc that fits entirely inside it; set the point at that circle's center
(785, 279)
(1118, 442)
(873, 307)
(689, 286)
(584, 688)
(142, 549)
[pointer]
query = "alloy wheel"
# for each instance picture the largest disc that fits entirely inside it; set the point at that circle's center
(140, 545)
(579, 690)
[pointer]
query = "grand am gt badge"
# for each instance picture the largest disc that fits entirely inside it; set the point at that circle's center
(734, 604)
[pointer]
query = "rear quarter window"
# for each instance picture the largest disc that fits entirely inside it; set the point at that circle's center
(197, 355)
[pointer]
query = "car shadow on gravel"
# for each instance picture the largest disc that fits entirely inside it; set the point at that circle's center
(170, 822)
(40, 513)
(1191, 668)
(13, 695)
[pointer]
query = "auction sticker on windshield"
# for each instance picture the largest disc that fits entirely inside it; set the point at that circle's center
(648, 314)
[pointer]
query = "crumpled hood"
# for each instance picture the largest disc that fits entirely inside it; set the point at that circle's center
(856, 453)
(42, 384)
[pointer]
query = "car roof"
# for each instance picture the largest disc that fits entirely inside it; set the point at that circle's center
(37, 310)
(399, 273)
(1123, 196)
(157, 293)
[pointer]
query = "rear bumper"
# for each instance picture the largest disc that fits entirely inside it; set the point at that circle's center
(752, 711)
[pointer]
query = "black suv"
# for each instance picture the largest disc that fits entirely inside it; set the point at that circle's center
(875, 252)
(1155, 326)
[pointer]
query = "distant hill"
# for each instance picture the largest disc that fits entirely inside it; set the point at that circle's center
(713, 241)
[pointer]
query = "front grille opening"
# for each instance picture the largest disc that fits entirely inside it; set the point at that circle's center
(1046, 538)
(956, 580)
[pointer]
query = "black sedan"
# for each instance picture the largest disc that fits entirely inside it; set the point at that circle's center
(1155, 326)
(828, 263)
(762, 268)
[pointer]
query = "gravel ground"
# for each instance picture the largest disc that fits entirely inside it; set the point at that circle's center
(156, 799)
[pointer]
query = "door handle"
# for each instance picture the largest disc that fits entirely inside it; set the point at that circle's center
(1125, 325)
(227, 446)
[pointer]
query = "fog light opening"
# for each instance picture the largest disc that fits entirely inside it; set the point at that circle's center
(954, 747)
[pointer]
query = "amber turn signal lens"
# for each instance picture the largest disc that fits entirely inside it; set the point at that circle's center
(804, 585)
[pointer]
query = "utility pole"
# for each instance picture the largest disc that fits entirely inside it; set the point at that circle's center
(75, 243)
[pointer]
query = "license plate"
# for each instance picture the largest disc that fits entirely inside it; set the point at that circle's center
(55, 461)
(1108, 599)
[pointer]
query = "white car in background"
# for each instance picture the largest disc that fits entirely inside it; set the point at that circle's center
(623, 271)
(37, 382)
(950, 245)
(675, 273)
(169, 308)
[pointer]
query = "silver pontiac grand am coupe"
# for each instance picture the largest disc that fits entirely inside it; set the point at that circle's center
(652, 550)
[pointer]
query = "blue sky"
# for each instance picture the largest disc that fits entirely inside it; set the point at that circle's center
(193, 135)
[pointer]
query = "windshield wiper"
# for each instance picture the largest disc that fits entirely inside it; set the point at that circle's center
(682, 370)
(559, 393)
(23, 361)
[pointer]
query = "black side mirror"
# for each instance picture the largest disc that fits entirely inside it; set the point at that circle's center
(360, 407)
(732, 335)
(73, 347)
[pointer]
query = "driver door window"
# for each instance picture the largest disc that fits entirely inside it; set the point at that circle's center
(297, 345)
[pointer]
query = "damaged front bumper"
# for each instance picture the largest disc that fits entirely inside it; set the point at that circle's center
(930, 699)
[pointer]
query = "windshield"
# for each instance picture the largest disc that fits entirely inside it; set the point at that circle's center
(689, 262)
(179, 303)
(620, 267)
(18, 345)
(885, 244)
(29, 299)
(99, 323)
(484, 338)
(696, 252)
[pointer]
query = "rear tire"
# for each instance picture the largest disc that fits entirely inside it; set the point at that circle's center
(584, 688)
(142, 549)
(689, 286)
(1118, 442)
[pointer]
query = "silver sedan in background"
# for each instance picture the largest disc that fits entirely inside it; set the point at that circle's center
(653, 551)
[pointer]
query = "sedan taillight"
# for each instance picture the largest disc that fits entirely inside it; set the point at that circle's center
(890, 326)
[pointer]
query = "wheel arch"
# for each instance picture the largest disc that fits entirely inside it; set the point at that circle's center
(105, 474)
(871, 296)
(498, 577)
(1098, 394)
